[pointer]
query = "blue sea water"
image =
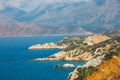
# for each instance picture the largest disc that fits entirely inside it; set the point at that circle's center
(15, 56)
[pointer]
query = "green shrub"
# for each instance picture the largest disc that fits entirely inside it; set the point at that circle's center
(84, 72)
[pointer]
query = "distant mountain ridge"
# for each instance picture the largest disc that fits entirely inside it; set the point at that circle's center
(65, 18)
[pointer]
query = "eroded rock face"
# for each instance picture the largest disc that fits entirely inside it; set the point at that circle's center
(91, 40)
(74, 75)
(94, 62)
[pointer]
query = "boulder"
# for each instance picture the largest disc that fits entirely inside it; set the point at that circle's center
(65, 66)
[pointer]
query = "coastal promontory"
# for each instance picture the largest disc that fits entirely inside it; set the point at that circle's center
(95, 50)
(47, 46)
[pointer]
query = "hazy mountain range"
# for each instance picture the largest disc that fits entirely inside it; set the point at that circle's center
(52, 17)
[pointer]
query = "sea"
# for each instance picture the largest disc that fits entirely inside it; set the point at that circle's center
(15, 56)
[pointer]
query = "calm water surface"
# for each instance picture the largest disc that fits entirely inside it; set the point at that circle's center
(14, 56)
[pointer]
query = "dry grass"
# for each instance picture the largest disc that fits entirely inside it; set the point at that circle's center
(110, 70)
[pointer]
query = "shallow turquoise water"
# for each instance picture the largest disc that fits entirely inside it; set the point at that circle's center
(14, 56)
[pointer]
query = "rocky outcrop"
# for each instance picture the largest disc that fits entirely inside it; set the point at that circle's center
(44, 59)
(65, 56)
(74, 75)
(65, 66)
(74, 49)
(98, 49)
(95, 50)
(58, 56)
(83, 56)
(91, 40)
(109, 70)
(46, 46)
(94, 62)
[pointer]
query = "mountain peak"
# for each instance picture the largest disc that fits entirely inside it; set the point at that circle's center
(83, 15)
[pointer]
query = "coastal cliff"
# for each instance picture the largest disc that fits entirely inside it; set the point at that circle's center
(95, 50)
(105, 65)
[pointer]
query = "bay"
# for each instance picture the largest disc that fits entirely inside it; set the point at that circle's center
(15, 56)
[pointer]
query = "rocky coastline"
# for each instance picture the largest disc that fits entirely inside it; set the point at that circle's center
(46, 46)
(92, 49)
(76, 54)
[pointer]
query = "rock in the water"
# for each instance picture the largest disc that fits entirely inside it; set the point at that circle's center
(65, 66)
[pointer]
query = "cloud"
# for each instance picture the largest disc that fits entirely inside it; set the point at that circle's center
(26, 5)
(2, 4)
(29, 5)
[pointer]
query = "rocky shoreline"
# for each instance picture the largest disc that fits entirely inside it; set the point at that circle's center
(92, 49)
(75, 54)
(65, 66)
(46, 46)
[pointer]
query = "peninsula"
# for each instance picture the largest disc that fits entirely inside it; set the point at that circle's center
(95, 50)
(47, 46)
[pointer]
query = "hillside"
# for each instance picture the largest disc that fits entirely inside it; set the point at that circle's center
(96, 50)
(23, 29)
(58, 17)
(105, 64)
(109, 70)
(80, 48)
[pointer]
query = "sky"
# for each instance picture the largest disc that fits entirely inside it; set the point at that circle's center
(29, 5)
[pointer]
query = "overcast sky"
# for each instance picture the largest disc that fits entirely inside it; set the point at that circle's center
(29, 5)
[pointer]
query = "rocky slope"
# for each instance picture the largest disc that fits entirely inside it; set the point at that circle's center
(77, 48)
(96, 50)
(58, 17)
(105, 65)
(109, 70)
(96, 39)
